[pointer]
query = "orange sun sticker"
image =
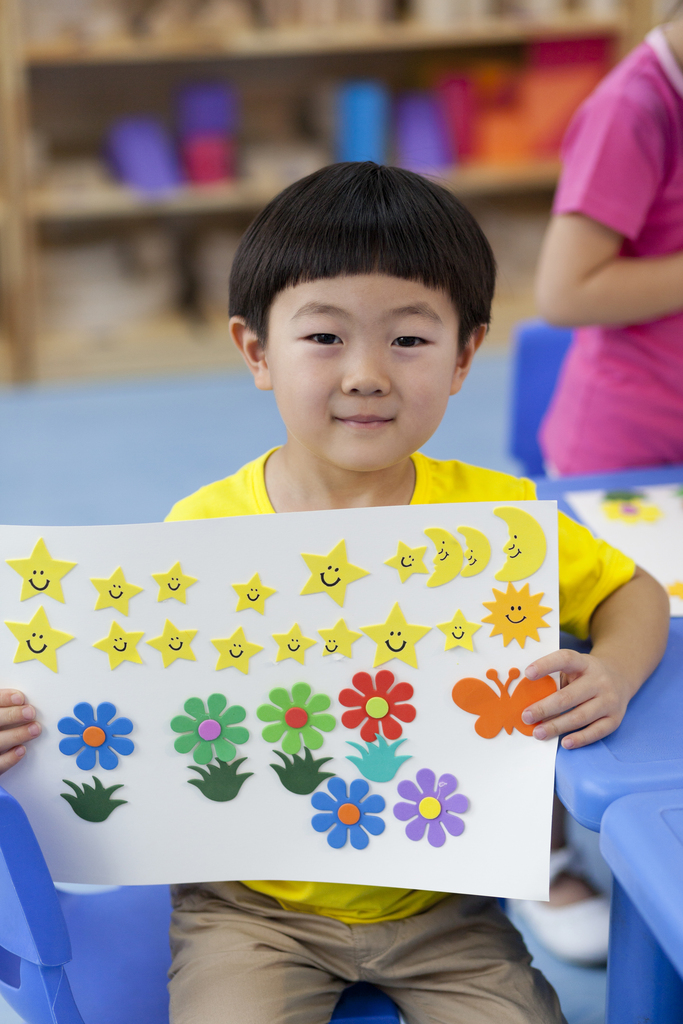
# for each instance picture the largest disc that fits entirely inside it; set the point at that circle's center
(501, 710)
(516, 614)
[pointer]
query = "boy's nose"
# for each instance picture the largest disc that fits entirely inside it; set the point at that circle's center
(365, 377)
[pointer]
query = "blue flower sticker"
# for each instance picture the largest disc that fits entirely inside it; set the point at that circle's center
(96, 734)
(350, 815)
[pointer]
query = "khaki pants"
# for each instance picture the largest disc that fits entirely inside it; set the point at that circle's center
(239, 958)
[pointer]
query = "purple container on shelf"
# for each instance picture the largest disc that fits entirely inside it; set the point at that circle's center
(207, 108)
(141, 154)
(422, 138)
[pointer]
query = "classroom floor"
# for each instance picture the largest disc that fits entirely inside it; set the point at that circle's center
(125, 452)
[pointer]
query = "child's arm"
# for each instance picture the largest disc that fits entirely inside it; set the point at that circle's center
(582, 279)
(629, 631)
(16, 727)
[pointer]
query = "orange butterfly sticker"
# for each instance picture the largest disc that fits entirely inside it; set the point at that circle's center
(501, 710)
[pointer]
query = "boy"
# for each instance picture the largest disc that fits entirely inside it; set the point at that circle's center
(360, 295)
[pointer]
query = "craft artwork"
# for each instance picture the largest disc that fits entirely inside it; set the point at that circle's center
(339, 640)
(396, 638)
(120, 646)
(236, 651)
(38, 641)
(478, 552)
(92, 803)
(516, 614)
(526, 547)
(459, 632)
(431, 808)
(296, 717)
(210, 731)
(301, 774)
(41, 573)
(253, 594)
(332, 573)
(501, 710)
(353, 816)
(630, 507)
(377, 705)
(94, 735)
(115, 592)
(448, 558)
(378, 761)
(293, 644)
(407, 560)
(173, 584)
(174, 643)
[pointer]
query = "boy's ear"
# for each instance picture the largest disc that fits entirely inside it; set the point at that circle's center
(253, 353)
(465, 357)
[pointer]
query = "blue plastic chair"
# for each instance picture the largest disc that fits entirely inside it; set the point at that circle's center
(115, 943)
(537, 355)
(641, 838)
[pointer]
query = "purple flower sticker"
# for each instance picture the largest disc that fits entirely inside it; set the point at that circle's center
(431, 805)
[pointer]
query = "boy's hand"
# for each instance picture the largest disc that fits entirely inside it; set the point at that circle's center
(17, 727)
(592, 699)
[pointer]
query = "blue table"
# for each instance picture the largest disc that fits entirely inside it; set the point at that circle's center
(644, 754)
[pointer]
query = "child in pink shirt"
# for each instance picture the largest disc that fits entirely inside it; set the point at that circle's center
(612, 265)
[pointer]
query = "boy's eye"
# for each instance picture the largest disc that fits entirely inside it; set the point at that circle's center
(325, 339)
(408, 341)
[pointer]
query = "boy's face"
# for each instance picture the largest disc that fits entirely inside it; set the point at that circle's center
(362, 367)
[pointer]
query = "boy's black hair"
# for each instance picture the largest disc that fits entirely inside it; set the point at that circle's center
(363, 218)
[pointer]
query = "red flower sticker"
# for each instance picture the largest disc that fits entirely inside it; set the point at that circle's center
(380, 705)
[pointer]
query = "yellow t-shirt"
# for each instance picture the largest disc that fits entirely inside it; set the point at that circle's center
(590, 570)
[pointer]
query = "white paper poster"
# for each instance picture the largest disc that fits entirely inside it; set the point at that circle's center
(330, 696)
(645, 523)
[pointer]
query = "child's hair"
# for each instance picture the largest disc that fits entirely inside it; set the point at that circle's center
(363, 218)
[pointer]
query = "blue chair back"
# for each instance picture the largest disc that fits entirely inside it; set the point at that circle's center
(537, 356)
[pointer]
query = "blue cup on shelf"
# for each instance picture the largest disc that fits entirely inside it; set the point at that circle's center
(141, 154)
(422, 138)
(207, 108)
(362, 122)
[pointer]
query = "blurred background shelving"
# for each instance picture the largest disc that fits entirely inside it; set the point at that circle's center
(139, 137)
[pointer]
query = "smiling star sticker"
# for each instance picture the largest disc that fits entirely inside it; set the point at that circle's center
(459, 631)
(173, 583)
(332, 573)
(407, 561)
(236, 651)
(174, 643)
(339, 639)
(252, 594)
(38, 641)
(41, 573)
(293, 644)
(516, 614)
(115, 592)
(120, 646)
(396, 638)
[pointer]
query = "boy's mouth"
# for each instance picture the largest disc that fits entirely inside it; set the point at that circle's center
(367, 422)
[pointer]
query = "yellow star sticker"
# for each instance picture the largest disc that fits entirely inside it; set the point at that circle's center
(174, 643)
(676, 589)
(293, 644)
(38, 640)
(407, 561)
(516, 614)
(252, 594)
(41, 573)
(332, 573)
(459, 631)
(173, 583)
(120, 646)
(236, 651)
(114, 592)
(339, 639)
(396, 638)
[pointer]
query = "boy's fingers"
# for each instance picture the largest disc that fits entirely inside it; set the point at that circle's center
(588, 712)
(9, 759)
(14, 715)
(558, 703)
(559, 661)
(9, 697)
(595, 731)
(21, 734)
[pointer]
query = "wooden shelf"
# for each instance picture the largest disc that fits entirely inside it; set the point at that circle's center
(114, 201)
(342, 39)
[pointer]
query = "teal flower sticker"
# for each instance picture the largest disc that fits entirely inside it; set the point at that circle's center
(213, 732)
(296, 716)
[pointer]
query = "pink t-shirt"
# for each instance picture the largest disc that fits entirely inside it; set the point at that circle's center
(619, 401)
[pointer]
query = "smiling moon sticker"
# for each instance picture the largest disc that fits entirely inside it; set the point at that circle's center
(478, 551)
(448, 558)
(525, 548)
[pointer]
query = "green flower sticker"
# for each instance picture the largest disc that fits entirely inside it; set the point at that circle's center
(215, 730)
(297, 716)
